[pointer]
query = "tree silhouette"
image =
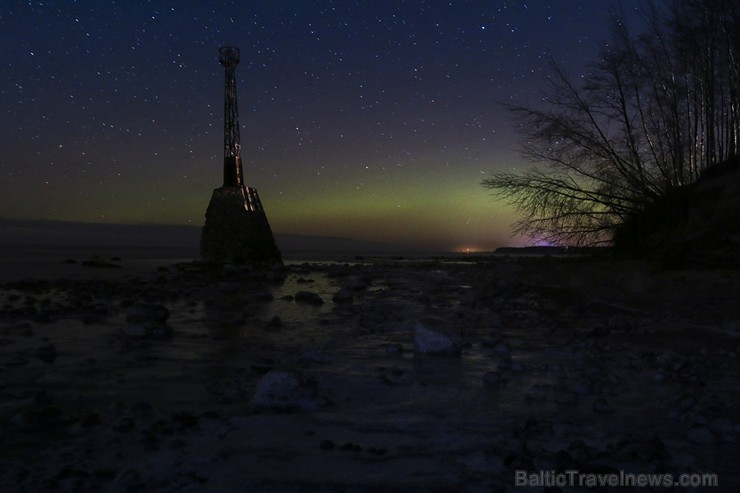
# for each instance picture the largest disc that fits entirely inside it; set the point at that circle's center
(654, 112)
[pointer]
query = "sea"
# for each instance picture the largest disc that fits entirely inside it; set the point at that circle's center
(21, 262)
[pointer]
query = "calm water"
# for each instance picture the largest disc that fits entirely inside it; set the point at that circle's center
(51, 262)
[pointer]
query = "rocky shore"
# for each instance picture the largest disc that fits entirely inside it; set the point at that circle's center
(371, 376)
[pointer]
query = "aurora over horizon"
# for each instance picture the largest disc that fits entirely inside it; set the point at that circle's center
(361, 119)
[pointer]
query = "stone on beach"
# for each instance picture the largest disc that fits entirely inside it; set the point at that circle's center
(147, 319)
(285, 390)
(274, 323)
(492, 379)
(147, 313)
(343, 295)
(46, 353)
(634, 282)
(436, 336)
(236, 398)
(135, 330)
(277, 273)
(517, 366)
(100, 263)
(600, 405)
(701, 435)
(502, 348)
(308, 297)
(357, 284)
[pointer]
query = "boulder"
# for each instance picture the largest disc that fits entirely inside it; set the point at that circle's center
(135, 330)
(343, 295)
(143, 313)
(502, 348)
(357, 284)
(147, 319)
(701, 435)
(600, 405)
(308, 297)
(492, 379)
(46, 353)
(436, 336)
(286, 390)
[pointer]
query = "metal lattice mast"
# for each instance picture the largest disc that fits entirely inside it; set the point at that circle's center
(233, 175)
(236, 227)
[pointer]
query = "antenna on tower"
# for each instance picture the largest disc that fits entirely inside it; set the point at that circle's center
(236, 225)
(233, 173)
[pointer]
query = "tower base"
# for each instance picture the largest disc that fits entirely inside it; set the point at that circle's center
(237, 229)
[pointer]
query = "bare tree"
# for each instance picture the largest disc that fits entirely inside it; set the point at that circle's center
(655, 110)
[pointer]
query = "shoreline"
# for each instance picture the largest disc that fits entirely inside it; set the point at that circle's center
(553, 363)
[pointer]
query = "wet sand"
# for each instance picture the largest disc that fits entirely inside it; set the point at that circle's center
(371, 376)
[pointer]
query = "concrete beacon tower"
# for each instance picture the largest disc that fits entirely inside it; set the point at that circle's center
(236, 225)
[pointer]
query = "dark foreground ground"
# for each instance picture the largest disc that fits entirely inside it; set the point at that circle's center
(199, 379)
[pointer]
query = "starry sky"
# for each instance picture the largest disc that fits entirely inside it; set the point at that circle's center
(368, 119)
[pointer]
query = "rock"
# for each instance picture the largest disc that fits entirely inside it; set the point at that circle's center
(634, 282)
(147, 313)
(376, 450)
(16, 360)
(356, 285)
(127, 480)
(517, 366)
(316, 357)
(579, 452)
(392, 348)
(686, 402)
(98, 262)
(20, 420)
(648, 450)
(326, 445)
(435, 336)
(285, 390)
(160, 331)
(343, 295)
(581, 387)
(701, 435)
(277, 273)
(46, 353)
(263, 296)
(658, 376)
(308, 297)
(601, 406)
(566, 398)
(492, 379)
(685, 370)
(722, 426)
(262, 366)
(147, 319)
(352, 447)
(135, 330)
(488, 342)
(502, 348)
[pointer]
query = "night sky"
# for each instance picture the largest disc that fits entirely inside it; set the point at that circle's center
(374, 120)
